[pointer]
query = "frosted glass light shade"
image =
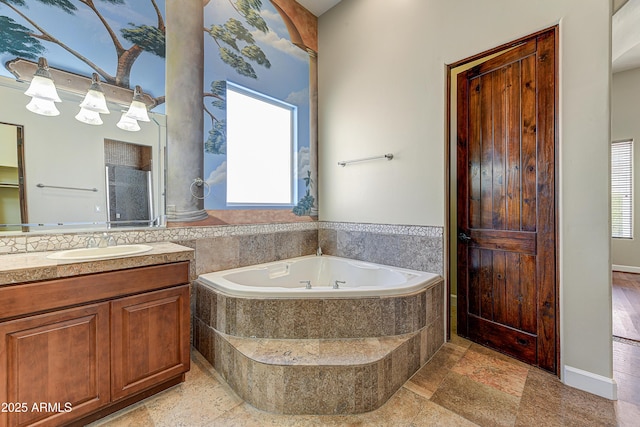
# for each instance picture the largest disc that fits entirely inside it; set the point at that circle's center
(44, 107)
(137, 109)
(43, 88)
(95, 101)
(89, 117)
(127, 123)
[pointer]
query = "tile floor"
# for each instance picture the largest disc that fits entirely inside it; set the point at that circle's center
(464, 384)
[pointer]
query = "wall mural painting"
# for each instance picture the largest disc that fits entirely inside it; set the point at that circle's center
(247, 43)
(121, 40)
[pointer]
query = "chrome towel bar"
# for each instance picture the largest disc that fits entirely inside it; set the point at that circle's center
(95, 190)
(387, 156)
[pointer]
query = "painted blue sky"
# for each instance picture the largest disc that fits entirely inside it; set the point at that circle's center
(84, 33)
(287, 80)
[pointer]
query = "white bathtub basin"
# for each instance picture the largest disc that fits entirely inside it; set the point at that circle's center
(99, 253)
(288, 279)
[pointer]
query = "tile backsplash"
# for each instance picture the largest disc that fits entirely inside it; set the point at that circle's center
(230, 246)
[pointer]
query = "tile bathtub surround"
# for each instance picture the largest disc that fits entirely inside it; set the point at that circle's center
(318, 356)
(295, 318)
(407, 246)
(232, 251)
(228, 246)
(341, 376)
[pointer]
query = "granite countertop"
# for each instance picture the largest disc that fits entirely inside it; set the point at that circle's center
(35, 266)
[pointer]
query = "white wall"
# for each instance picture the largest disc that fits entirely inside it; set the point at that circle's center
(62, 151)
(382, 87)
(625, 124)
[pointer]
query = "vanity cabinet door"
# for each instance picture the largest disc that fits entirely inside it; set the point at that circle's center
(150, 339)
(54, 366)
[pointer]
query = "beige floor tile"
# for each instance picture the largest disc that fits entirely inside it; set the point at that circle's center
(400, 410)
(456, 399)
(493, 370)
(432, 415)
(547, 401)
(427, 380)
(135, 415)
(476, 402)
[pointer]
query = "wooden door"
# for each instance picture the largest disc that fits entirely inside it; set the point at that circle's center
(150, 340)
(55, 367)
(506, 203)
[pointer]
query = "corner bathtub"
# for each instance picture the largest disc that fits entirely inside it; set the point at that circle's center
(287, 279)
(291, 350)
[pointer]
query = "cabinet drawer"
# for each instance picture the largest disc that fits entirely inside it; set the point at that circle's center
(19, 300)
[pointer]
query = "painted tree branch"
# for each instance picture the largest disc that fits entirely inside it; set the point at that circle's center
(161, 25)
(114, 38)
(44, 35)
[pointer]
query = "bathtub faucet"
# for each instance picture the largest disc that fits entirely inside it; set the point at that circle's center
(337, 283)
(307, 283)
(319, 251)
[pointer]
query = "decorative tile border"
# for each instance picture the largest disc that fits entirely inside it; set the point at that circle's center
(407, 230)
(61, 241)
(39, 242)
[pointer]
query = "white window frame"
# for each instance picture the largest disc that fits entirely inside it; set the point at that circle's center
(622, 189)
(246, 151)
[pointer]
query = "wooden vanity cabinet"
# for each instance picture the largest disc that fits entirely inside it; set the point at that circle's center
(78, 348)
(59, 358)
(150, 340)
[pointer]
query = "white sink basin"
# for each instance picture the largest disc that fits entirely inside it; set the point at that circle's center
(99, 253)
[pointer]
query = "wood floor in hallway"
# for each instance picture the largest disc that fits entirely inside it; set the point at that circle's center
(626, 305)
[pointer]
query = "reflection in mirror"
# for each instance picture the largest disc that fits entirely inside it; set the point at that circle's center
(128, 173)
(62, 155)
(13, 207)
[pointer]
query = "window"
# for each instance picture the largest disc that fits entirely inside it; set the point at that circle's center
(622, 189)
(260, 149)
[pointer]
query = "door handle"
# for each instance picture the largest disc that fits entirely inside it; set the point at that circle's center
(463, 237)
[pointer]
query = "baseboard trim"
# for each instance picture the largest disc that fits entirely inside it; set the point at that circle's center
(590, 382)
(625, 268)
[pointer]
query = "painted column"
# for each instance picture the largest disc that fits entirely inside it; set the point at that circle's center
(313, 127)
(184, 47)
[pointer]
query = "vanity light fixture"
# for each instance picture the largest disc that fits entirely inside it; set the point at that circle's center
(128, 124)
(89, 117)
(44, 107)
(43, 91)
(138, 109)
(93, 104)
(95, 100)
(43, 103)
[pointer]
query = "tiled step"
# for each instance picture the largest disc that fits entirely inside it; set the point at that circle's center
(318, 356)
(319, 376)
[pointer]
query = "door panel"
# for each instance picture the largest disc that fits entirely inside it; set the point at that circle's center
(506, 202)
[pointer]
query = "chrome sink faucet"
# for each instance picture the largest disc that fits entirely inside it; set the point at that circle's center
(106, 240)
(91, 242)
(337, 283)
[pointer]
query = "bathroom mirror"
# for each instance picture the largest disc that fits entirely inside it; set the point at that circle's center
(79, 176)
